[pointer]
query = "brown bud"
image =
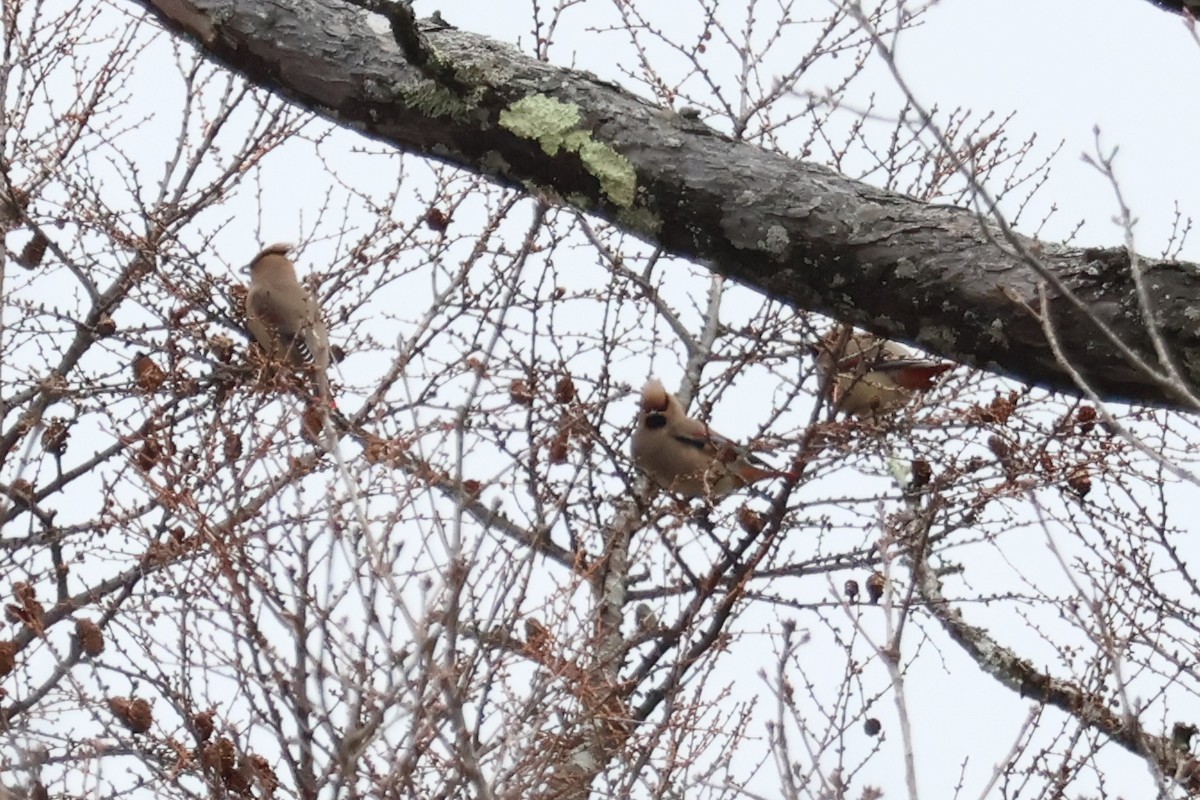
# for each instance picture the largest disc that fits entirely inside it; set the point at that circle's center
(851, 590)
(1085, 418)
(437, 220)
(238, 779)
(219, 756)
(187, 387)
(315, 418)
(54, 437)
(159, 553)
(921, 473)
(105, 326)
(8, 657)
(872, 727)
(1002, 407)
(210, 757)
(232, 447)
(55, 386)
(34, 251)
(222, 347)
(135, 714)
(148, 375)
(750, 520)
(27, 609)
(89, 636)
(312, 422)
(560, 447)
(224, 388)
(472, 489)
(24, 593)
(999, 447)
(875, 586)
(149, 455)
(521, 393)
(203, 723)
(1079, 481)
(564, 390)
(383, 451)
(260, 770)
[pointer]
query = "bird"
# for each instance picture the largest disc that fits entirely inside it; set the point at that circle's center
(684, 455)
(285, 320)
(871, 375)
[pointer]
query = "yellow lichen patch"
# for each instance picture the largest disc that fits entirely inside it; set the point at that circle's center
(555, 126)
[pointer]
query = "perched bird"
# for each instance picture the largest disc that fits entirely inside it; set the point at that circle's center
(284, 319)
(872, 375)
(686, 456)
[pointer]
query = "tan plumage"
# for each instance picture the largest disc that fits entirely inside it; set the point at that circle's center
(684, 455)
(284, 319)
(873, 375)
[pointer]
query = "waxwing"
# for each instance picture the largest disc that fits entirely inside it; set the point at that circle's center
(686, 456)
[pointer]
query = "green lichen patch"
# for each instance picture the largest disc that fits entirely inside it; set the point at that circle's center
(543, 119)
(617, 177)
(434, 100)
(555, 126)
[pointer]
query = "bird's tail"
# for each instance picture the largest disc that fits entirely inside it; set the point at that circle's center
(750, 473)
(916, 374)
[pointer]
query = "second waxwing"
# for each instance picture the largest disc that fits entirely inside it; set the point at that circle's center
(284, 319)
(686, 456)
(871, 375)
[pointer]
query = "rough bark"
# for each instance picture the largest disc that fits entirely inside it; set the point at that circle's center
(797, 232)
(1187, 7)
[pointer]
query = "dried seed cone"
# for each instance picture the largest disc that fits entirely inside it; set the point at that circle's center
(89, 636)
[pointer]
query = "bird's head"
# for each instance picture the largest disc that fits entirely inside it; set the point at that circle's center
(272, 258)
(655, 402)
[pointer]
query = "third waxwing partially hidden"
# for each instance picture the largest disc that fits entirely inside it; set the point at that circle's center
(873, 375)
(284, 318)
(686, 456)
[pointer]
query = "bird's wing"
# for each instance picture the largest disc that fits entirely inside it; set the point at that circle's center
(911, 363)
(268, 309)
(289, 325)
(694, 433)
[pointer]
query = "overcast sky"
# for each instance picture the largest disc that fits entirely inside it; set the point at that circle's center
(1064, 67)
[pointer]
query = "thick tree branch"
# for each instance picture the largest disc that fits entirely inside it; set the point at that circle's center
(1023, 677)
(795, 231)
(1188, 7)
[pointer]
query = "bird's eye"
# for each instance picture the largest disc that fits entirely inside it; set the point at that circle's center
(655, 420)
